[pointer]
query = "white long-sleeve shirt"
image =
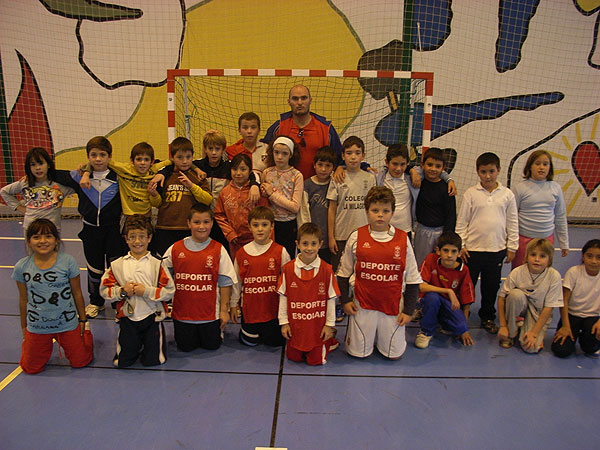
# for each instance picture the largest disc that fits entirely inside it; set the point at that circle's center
(488, 221)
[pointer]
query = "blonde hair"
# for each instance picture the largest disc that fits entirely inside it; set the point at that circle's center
(214, 137)
(544, 245)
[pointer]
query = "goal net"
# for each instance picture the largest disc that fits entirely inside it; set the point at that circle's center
(203, 99)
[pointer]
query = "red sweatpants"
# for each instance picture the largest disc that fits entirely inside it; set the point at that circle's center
(314, 357)
(36, 349)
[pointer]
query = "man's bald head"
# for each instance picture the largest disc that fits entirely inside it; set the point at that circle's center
(299, 89)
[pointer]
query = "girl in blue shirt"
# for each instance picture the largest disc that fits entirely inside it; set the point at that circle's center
(50, 301)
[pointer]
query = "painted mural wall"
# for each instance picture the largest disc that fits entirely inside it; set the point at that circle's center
(509, 76)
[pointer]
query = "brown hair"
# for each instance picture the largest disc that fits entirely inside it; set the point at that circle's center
(99, 142)
(294, 159)
(249, 116)
(200, 208)
(261, 213)
(354, 140)
(180, 144)
(42, 226)
(487, 158)
(532, 157)
(380, 194)
(142, 148)
(214, 137)
(310, 228)
(138, 222)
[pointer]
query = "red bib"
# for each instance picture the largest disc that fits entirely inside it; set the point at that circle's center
(307, 305)
(379, 270)
(196, 275)
(259, 275)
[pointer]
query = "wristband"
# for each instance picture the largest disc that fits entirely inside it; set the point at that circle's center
(83, 321)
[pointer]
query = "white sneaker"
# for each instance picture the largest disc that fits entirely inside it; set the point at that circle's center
(422, 340)
(92, 310)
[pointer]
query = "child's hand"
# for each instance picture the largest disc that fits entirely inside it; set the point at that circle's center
(564, 252)
(451, 188)
(339, 175)
(596, 329)
(234, 311)
(373, 170)
(200, 174)
(403, 319)
(502, 333)
(327, 333)
(510, 255)
(563, 333)
(224, 316)
(82, 327)
(415, 178)
(350, 308)
(529, 340)
(286, 331)
(85, 181)
(333, 247)
(129, 288)
(266, 189)
(254, 194)
(454, 303)
(183, 179)
(464, 255)
(81, 169)
(157, 180)
(466, 338)
(139, 289)
(152, 190)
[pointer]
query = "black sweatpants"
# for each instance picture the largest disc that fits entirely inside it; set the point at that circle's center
(145, 338)
(581, 327)
(100, 246)
(489, 266)
(190, 336)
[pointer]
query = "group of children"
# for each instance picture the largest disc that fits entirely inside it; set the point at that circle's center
(352, 235)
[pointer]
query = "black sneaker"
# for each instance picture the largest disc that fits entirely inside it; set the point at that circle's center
(489, 326)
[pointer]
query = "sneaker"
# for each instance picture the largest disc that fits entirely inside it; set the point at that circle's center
(422, 340)
(507, 343)
(519, 321)
(92, 310)
(489, 326)
(339, 313)
(594, 355)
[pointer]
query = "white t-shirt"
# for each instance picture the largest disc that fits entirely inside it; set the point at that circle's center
(350, 198)
(545, 291)
(585, 292)
(402, 217)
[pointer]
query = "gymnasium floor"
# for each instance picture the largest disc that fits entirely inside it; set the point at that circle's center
(445, 397)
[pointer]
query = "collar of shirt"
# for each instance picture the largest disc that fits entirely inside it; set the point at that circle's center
(100, 174)
(306, 271)
(481, 188)
(130, 256)
(457, 268)
(254, 249)
(391, 179)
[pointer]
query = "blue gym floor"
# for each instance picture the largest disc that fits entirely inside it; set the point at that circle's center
(444, 397)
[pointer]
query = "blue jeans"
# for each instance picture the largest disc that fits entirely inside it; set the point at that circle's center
(437, 309)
